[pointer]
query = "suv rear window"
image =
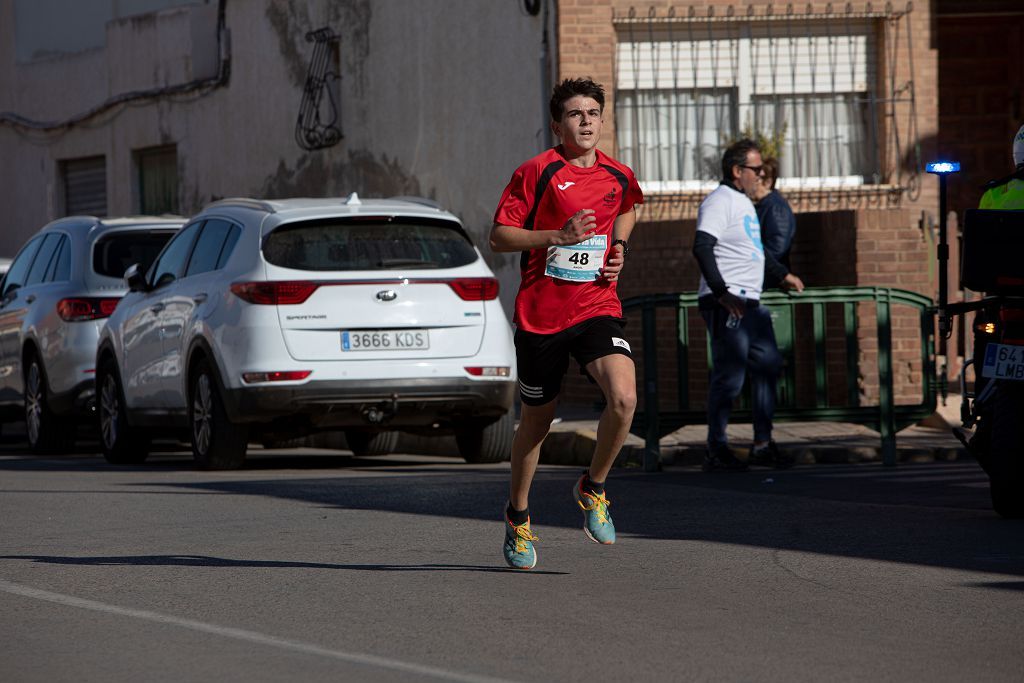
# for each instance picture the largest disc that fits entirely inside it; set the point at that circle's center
(374, 244)
(114, 253)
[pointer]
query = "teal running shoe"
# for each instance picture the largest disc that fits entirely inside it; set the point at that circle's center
(518, 549)
(597, 523)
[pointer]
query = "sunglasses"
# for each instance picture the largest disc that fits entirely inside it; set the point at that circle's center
(758, 170)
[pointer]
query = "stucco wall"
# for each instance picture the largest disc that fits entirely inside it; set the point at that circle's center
(439, 98)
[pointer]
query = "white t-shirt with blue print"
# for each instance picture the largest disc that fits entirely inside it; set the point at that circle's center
(729, 216)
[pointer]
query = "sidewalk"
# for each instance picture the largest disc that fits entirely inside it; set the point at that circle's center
(572, 443)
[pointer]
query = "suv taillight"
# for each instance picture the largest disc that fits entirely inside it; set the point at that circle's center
(82, 308)
(475, 288)
(488, 370)
(274, 293)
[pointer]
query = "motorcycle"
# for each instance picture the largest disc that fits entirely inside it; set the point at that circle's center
(993, 262)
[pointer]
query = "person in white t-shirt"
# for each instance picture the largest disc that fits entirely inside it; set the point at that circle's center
(733, 263)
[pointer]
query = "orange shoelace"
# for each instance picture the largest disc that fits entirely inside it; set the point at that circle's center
(598, 504)
(523, 534)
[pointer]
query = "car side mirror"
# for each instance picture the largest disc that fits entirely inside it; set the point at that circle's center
(9, 290)
(135, 279)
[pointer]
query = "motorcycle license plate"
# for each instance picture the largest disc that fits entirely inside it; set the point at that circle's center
(1003, 361)
(385, 340)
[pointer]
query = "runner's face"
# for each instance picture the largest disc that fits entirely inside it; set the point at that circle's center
(580, 126)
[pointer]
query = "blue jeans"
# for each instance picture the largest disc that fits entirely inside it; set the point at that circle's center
(750, 346)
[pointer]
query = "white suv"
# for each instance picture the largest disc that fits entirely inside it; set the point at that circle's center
(270, 320)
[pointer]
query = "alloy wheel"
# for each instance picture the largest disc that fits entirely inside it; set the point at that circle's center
(33, 403)
(110, 409)
(202, 417)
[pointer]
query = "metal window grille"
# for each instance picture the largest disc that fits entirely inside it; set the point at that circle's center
(831, 90)
(85, 186)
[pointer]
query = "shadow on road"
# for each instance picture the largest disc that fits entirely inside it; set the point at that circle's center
(935, 514)
(206, 561)
(174, 460)
(1002, 585)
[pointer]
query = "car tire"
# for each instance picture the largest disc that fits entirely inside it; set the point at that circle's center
(122, 444)
(217, 443)
(1006, 467)
(363, 443)
(480, 443)
(47, 433)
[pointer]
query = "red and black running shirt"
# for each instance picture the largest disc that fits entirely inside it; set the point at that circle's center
(543, 194)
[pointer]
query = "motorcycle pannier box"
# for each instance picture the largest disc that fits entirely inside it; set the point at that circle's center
(993, 251)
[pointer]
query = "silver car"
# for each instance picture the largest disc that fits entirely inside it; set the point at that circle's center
(53, 301)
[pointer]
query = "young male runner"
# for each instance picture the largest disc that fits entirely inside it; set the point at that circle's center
(569, 210)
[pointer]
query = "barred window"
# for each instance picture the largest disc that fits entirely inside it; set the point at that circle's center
(807, 84)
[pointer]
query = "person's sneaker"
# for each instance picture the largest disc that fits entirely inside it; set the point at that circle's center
(597, 522)
(721, 457)
(518, 549)
(770, 456)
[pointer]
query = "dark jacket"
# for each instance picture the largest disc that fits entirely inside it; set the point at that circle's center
(778, 226)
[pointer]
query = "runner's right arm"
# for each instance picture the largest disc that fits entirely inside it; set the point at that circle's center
(578, 228)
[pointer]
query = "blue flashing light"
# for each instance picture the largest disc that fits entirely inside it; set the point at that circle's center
(943, 167)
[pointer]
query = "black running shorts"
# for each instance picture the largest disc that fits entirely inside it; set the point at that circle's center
(543, 359)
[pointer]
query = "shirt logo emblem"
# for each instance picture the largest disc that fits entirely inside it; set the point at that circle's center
(609, 199)
(753, 229)
(565, 185)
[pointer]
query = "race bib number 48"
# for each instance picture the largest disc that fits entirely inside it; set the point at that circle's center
(577, 262)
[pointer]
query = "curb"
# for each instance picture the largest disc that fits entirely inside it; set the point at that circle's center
(576, 446)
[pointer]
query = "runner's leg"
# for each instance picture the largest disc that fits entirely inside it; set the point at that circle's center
(616, 375)
(534, 424)
(542, 361)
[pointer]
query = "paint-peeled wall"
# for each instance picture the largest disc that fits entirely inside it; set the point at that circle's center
(438, 98)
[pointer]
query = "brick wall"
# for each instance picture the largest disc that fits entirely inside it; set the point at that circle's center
(587, 38)
(862, 238)
(981, 99)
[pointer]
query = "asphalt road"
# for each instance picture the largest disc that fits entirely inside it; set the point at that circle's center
(315, 566)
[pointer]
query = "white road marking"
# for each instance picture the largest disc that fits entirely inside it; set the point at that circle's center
(242, 634)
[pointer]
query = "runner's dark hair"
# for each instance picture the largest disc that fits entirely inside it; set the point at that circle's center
(571, 87)
(736, 155)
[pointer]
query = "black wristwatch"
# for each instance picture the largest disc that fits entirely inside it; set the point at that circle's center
(625, 246)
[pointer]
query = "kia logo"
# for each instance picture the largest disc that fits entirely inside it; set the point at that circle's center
(387, 295)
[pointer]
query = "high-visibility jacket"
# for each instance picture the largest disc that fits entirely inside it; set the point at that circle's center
(1007, 194)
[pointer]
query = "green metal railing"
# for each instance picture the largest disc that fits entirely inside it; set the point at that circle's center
(886, 418)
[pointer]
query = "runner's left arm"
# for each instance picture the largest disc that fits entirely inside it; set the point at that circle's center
(621, 230)
(623, 226)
